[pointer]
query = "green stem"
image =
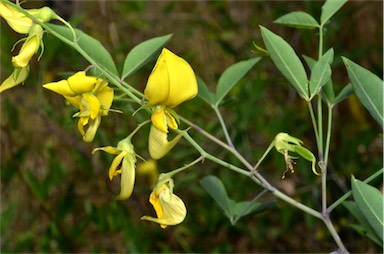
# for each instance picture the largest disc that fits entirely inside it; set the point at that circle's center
(325, 164)
(349, 193)
(264, 155)
(314, 124)
(334, 234)
(223, 125)
(173, 172)
(213, 158)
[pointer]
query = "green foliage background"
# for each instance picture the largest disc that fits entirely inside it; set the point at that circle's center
(56, 196)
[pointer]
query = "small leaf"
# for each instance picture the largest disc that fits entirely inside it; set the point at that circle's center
(298, 19)
(368, 87)
(370, 202)
(143, 53)
(204, 92)
(344, 93)
(91, 46)
(216, 190)
(286, 60)
(321, 73)
(329, 8)
(231, 76)
(246, 207)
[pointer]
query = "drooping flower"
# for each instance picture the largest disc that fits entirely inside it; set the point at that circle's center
(169, 208)
(91, 95)
(19, 75)
(171, 82)
(124, 164)
(30, 46)
(284, 143)
(19, 22)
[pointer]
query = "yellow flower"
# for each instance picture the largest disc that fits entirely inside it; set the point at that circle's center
(18, 76)
(170, 209)
(124, 164)
(91, 95)
(21, 23)
(31, 45)
(171, 82)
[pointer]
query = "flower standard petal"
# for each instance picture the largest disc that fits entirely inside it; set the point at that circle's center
(105, 96)
(92, 103)
(157, 88)
(80, 83)
(182, 79)
(61, 87)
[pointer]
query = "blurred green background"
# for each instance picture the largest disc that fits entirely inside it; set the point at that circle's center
(56, 196)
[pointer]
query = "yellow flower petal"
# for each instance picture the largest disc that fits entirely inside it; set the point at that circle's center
(29, 48)
(127, 181)
(157, 88)
(107, 149)
(170, 209)
(182, 79)
(158, 144)
(105, 96)
(159, 120)
(18, 76)
(60, 87)
(80, 83)
(115, 164)
(92, 129)
(15, 19)
(171, 82)
(92, 103)
(171, 121)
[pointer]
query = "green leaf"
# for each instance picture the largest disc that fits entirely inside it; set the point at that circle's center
(204, 92)
(231, 76)
(298, 19)
(344, 93)
(286, 60)
(370, 202)
(216, 190)
(246, 207)
(329, 8)
(363, 228)
(368, 88)
(321, 73)
(143, 53)
(91, 46)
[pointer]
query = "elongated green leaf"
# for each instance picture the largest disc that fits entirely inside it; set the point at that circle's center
(246, 207)
(329, 8)
(370, 202)
(231, 76)
(363, 228)
(204, 92)
(344, 93)
(216, 190)
(286, 60)
(321, 73)
(298, 19)
(143, 53)
(368, 88)
(329, 95)
(91, 46)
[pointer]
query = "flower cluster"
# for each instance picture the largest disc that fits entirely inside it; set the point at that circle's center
(22, 24)
(91, 95)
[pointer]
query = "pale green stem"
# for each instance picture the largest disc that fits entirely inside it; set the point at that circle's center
(139, 126)
(349, 193)
(325, 164)
(173, 172)
(213, 158)
(334, 234)
(223, 125)
(314, 124)
(264, 155)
